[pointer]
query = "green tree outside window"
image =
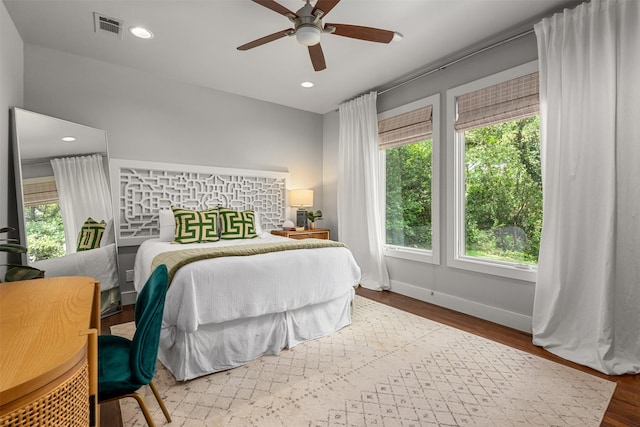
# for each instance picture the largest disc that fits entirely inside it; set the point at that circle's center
(503, 191)
(45, 232)
(408, 195)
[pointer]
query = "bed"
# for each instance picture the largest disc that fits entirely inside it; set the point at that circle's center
(225, 311)
(99, 263)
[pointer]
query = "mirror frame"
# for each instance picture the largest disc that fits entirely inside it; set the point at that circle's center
(46, 151)
(19, 163)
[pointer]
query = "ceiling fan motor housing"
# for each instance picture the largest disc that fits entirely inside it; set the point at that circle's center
(308, 26)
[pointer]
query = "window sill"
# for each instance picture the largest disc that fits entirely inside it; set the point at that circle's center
(524, 272)
(419, 255)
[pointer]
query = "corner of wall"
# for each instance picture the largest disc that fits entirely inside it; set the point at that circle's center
(11, 95)
(330, 137)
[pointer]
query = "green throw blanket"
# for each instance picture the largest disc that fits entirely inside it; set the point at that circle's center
(176, 259)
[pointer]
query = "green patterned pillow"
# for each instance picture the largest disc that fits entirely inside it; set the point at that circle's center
(237, 225)
(90, 235)
(195, 226)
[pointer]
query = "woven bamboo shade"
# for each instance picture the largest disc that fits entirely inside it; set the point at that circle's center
(510, 100)
(405, 128)
(39, 192)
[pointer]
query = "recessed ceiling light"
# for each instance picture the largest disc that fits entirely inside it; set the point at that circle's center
(397, 37)
(306, 84)
(68, 138)
(140, 32)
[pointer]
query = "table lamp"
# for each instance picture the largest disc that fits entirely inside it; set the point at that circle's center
(301, 199)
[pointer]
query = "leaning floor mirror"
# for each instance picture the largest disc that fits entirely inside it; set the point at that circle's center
(64, 201)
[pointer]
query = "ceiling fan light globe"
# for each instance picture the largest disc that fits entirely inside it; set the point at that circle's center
(308, 35)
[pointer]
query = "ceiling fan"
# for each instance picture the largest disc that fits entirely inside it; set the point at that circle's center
(308, 27)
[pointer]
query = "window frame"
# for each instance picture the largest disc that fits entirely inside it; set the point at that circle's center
(456, 186)
(429, 256)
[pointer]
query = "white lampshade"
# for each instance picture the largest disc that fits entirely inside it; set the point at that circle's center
(301, 198)
(308, 35)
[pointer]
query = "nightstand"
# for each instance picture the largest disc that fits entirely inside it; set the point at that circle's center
(318, 233)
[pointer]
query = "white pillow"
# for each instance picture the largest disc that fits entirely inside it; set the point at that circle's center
(108, 237)
(167, 225)
(257, 224)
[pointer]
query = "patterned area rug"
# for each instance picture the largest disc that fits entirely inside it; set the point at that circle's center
(389, 368)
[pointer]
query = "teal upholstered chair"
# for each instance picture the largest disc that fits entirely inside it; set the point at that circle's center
(124, 366)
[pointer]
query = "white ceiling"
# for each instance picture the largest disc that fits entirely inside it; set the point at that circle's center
(40, 137)
(195, 41)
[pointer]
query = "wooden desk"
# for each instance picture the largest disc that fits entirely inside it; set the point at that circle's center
(49, 351)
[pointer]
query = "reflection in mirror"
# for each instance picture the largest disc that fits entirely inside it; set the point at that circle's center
(62, 186)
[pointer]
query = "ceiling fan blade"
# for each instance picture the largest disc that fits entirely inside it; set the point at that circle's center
(276, 7)
(317, 57)
(362, 33)
(265, 39)
(325, 6)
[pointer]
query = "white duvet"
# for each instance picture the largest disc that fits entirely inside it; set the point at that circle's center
(99, 263)
(218, 290)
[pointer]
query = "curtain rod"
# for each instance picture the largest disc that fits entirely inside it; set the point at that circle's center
(398, 84)
(47, 160)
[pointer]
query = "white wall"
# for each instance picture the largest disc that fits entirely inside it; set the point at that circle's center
(11, 91)
(151, 118)
(505, 301)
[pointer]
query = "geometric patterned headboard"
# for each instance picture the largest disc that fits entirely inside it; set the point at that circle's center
(141, 189)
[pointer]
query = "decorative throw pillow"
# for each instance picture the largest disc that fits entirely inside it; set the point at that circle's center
(90, 235)
(237, 225)
(195, 226)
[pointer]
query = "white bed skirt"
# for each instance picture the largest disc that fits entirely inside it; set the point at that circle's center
(221, 346)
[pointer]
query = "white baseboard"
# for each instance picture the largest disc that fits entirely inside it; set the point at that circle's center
(472, 308)
(128, 298)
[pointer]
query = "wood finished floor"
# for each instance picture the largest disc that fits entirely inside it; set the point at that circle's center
(623, 410)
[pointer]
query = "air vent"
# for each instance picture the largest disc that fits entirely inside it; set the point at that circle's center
(106, 25)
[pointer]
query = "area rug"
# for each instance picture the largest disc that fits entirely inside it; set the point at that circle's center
(388, 368)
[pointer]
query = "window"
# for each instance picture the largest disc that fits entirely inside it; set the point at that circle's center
(497, 181)
(410, 184)
(43, 221)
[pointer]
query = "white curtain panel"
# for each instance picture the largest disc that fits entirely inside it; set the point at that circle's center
(83, 192)
(359, 218)
(587, 296)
